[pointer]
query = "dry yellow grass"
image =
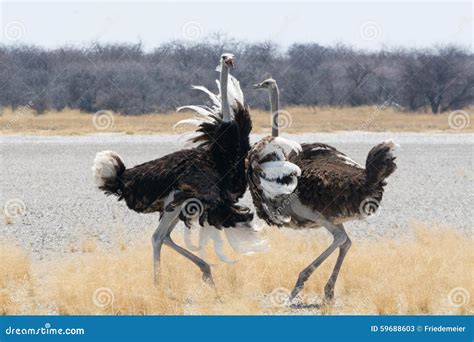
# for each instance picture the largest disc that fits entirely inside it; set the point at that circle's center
(15, 279)
(430, 273)
(299, 120)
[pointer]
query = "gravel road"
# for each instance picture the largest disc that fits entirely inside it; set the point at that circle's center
(51, 177)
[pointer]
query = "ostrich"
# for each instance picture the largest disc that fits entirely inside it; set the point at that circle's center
(318, 186)
(200, 184)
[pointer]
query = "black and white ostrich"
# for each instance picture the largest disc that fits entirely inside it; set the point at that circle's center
(196, 185)
(315, 186)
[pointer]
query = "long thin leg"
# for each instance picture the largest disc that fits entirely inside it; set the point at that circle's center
(188, 240)
(219, 247)
(343, 249)
(339, 239)
(167, 223)
(204, 237)
(204, 266)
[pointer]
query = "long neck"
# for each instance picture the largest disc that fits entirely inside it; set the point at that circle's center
(224, 97)
(274, 103)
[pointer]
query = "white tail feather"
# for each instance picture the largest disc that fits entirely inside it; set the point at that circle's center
(105, 167)
(392, 144)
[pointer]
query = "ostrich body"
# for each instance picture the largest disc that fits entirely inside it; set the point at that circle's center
(329, 190)
(195, 185)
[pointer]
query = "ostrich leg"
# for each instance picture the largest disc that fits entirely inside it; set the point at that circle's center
(340, 237)
(167, 223)
(343, 249)
(204, 266)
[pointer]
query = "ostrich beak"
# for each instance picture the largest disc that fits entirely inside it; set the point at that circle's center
(230, 63)
(258, 86)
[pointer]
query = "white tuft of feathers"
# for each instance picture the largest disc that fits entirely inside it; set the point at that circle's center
(234, 93)
(391, 144)
(273, 171)
(246, 240)
(288, 145)
(279, 169)
(105, 167)
(273, 189)
(281, 147)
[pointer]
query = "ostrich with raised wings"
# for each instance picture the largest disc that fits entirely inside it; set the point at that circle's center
(200, 184)
(315, 186)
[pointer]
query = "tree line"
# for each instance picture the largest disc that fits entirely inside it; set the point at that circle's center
(127, 79)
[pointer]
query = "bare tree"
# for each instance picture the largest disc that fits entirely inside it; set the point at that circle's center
(124, 78)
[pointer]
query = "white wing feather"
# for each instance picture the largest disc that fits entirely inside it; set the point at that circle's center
(279, 169)
(214, 98)
(246, 240)
(273, 189)
(287, 145)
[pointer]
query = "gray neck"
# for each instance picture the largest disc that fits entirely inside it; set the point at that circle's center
(275, 107)
(224, 97)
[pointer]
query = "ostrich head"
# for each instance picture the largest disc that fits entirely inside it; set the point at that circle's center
(268, 84)
(227, 59)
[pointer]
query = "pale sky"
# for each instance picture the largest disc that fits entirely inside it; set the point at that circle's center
(365, 25)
